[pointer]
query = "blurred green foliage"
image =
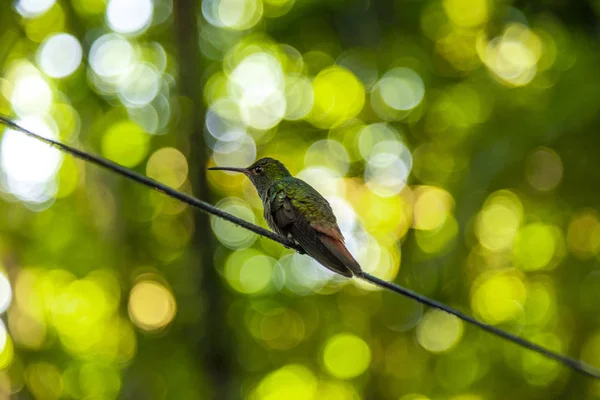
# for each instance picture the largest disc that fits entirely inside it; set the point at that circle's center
(455, 139)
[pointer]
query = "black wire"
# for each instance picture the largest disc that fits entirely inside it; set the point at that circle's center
(576, 365)
(568, 361)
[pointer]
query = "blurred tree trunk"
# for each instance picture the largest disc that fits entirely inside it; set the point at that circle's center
(212, 343)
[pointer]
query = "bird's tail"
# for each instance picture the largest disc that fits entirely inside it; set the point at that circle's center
(341, 253)
(313, 244)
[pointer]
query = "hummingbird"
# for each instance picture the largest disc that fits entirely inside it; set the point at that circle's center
(295, 210)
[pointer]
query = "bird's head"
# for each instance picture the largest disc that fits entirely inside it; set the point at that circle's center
(263, 173)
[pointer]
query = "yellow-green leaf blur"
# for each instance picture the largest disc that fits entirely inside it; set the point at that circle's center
(455, 141)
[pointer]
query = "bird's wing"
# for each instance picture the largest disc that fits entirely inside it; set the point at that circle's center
(324, 241)
(278, 211)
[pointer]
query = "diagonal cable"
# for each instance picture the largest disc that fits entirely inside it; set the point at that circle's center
(576, 365)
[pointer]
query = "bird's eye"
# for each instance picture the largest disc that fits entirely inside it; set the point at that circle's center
(258, 170)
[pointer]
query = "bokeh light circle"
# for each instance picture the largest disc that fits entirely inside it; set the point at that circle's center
(255, 274)
(439, 331)
(60, 55)
(148, 118)
(329, 153)
(513, 56)
(292, 381)
(257, 83)
(130, 16)
(233, 14)
(151, 305)
(346, 356)
(141, 87)
(338, 96)
(240, 151)
(264, 114)
(544, 169)
(388, 168)
(125, 143)
(303, 275)
(534, 246)
(370, 137)
(498, 297)
(432, 207)
(498, 222)
(249, 272)
(583, 234)
(401, 88)
(112, 57)
(28, 165)
(31, 95)
(33, 8)
(231, 235)
(223, 120)
(467, 13)
(169, 166)
(240, 14)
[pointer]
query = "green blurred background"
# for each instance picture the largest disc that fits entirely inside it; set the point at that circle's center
(457, 141)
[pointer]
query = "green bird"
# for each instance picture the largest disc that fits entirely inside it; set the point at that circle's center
(295, 210)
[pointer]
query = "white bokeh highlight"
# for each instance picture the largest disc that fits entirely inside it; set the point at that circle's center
(401, 89)
(31, 95)
(60, 55)
(28, 165)
(129, 16)
(33, 8)
(232, 14)
(257, 83)
(239, 152)
(112, 57)
(142, 87)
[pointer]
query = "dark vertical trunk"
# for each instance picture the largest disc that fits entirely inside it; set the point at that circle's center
(212, 345)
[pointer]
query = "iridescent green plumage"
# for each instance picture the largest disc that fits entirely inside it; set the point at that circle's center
(296, 210)
(304, 198)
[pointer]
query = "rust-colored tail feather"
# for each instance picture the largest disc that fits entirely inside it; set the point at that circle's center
(339, 250)
(313, 244)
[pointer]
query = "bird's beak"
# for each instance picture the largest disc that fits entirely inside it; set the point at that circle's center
(242, 170)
